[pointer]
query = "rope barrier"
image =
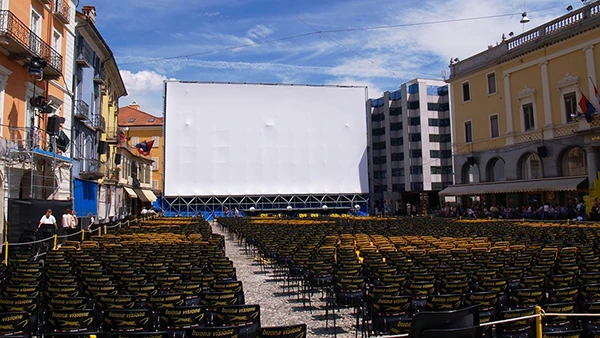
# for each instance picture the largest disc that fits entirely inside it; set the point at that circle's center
(73, 234)
(29, 243)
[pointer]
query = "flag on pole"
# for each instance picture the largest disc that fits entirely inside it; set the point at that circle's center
(145, 147)
(587, 108)
(596, 94)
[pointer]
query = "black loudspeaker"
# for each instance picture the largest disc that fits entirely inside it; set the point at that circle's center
(53, 126)
(542, 151)
(102, 147)
(117, 158)
(471, 160)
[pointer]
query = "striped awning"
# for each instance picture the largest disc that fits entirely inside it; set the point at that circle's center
(533, 186)
(145, 195)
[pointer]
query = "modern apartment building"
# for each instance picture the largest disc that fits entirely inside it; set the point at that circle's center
(97, 89)
(517, 135)
(410, 154)
(36, 71)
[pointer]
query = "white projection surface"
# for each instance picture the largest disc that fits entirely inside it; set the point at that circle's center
(255, 139)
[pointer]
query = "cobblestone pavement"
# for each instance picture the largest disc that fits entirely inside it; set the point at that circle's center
(280, 305)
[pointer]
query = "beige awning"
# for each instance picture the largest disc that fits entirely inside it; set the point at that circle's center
(141, 195)
(130, 192)
(149, 195)
(541, 185)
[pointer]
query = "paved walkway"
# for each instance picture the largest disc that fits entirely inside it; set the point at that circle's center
(280, 306)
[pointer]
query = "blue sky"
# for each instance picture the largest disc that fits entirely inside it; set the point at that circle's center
(140, 31)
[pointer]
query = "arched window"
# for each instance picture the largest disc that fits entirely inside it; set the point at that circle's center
(531, 167)
(574, 162)
(473, 174)
(496, 170)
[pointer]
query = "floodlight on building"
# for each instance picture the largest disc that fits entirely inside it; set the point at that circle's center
(524, 18)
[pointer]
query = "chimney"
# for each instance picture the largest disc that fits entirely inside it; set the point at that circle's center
(89, 12)
(134, 105)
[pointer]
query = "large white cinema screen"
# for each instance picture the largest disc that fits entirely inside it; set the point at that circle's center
(255, 139)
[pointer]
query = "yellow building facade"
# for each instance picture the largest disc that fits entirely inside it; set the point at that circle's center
(140, 126)
(517, 136)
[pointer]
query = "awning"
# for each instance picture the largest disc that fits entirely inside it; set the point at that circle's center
(130, 192)
(145, 195)
(541, 185)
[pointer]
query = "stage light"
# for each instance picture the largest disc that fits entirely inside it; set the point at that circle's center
(524, 18)
(357, 207)
(569, 8)
(252, 209)
(36, 67)
(325, 207)
(289, 207)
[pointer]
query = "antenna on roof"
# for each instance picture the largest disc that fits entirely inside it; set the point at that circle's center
(444, 74)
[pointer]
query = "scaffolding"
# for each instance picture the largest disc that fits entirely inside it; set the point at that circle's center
(213, 206)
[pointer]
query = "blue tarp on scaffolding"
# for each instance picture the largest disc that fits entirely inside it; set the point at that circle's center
(86, 197)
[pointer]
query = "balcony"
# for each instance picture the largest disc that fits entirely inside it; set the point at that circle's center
(23, 44)
(61, 11)
(92, 169)
(84, 56)
(99, 123)
(100, 75)
(45, 2)
(82, 110)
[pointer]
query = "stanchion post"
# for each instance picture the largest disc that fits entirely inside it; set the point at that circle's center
(119, 224)
(538, 322)
(5, 253)
(99, 231)
(55, 241)
(105, 230)
(82, 235)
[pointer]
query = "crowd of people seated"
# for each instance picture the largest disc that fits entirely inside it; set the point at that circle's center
(575, 209)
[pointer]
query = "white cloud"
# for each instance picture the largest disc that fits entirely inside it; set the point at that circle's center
(211, 14)
(373, 89)
(260, 31)
(142, 81)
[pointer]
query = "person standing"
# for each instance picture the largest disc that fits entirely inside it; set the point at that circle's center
(67, 222)
(48, 223)
(75, 222)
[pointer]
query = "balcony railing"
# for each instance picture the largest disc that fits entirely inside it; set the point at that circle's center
(22, 43)
(61, 10)
(84, 56)
(92, 169)
(100, 75)
(99, 122)
(82, 110)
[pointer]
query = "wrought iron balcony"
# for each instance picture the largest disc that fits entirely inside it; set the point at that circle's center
(100, 75)
(99, 122)
(82, 110)
(84, 56)
(46, 2)
(61, 10)
(22, 44)
(92, 169)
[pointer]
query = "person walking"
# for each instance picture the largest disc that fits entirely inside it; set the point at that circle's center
(67, 222)
(48, 224)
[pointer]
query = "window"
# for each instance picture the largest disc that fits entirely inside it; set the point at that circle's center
(436, 170)
(378, 131)
(396, 126)
(491, 83)
(443, 91)
(395, 111)
(151, 119)
(415, 121)
(434, 138)
(379, 160)
(494, 128)
(154, 184)
(437, 186)
(416, 153)
(445, 138)
(57, 41)
(528, 117)
(131, 120)
(397, 141)
(380, 188)
(531, 167)
(434, 122)
(435, 154)
(377, 117)
(415, 137)
(416, 186)
(379, 145)
(496, 170)
(135, 140)
(398, 172)
(447, 170)
(433, 90)
(413, 88)
(379, 174)
(446, 153)
(466, 92)
(398, 187)
(570, 100)
(156, 140)
(397, 157)
(574, 162)
(396, 95)
(154, 163)
(413, 105)
(416, 170)
(468, 132)
(35, 25)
